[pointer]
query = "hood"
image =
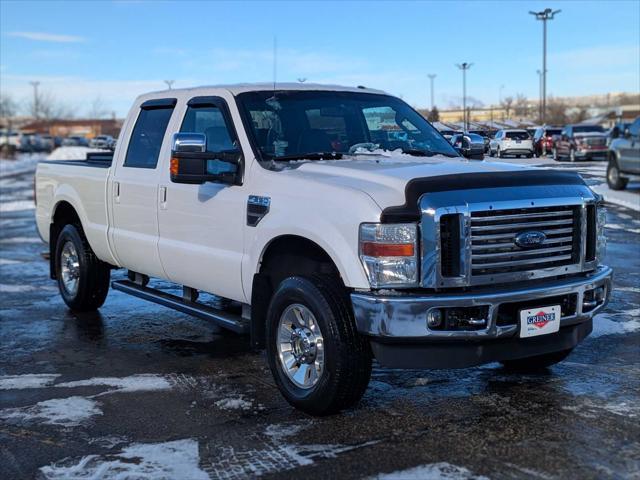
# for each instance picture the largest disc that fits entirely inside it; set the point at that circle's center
(384, 178)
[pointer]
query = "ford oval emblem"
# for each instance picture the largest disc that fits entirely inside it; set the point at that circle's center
(530, 239)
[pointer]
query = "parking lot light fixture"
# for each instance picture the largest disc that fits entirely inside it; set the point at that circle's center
(431, 77)
(464, 67)
(544, 16)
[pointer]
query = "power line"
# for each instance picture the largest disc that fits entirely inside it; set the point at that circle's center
(544, 16)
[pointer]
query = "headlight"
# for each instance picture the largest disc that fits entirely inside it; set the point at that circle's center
(389, 254)
(601, 238)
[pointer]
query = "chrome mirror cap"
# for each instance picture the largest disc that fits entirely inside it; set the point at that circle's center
(183, 142)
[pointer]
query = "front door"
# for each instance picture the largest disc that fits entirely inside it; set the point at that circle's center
(134, 190)
(201, 226)
(630, 149)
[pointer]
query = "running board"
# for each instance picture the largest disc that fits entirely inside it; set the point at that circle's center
(226, 320)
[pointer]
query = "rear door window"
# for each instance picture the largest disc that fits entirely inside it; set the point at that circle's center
(148, 134)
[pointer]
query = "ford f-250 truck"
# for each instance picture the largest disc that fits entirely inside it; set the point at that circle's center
(338, 225)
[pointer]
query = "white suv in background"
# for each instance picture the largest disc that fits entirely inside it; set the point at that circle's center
(511, 142)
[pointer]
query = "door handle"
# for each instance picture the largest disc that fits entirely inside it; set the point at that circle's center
(163, 197)
(116, 191)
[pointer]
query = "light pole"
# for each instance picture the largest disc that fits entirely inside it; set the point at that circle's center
(539, 94)
(500, 100)
(36, 107)
(169, 83)
(431, 77)
(544, 16)
(464, 67)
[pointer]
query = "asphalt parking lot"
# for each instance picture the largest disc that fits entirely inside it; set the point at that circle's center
(140, 391)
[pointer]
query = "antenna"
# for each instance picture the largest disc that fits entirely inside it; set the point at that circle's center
(275, 62)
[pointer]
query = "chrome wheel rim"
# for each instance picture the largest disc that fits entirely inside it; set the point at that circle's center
(613, 174)
(69, 268)
(300, 346)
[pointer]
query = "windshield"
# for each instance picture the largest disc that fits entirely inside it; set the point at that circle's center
(588, 128)
(286, 125)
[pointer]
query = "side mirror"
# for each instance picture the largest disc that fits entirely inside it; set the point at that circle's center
(192, 164)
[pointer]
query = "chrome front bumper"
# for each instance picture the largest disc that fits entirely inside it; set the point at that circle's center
(404, 316)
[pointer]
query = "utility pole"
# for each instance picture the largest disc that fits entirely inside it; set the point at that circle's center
(36, 106)
(464, 67)
(169, 83)
(431, 77)
(545, 15)
(500, 100)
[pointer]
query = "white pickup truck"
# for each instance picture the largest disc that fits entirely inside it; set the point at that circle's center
(337, 225)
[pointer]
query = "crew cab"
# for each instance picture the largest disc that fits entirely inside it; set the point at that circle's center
(333, 225)
(581, 142)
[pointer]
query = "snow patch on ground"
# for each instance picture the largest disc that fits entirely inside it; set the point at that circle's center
(24, 163)
(17, 206)
(21, 240)
(170, 460)
(590, 409)
(234, 403)
(6, 261)
(30, 380)
(623, 198)
(4, 288)
(606, 324)
(432, 471)
(133, 383)
(279, 431)
(67, 412)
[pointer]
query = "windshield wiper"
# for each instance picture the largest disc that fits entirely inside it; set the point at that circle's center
(416, 152)
(309, 156)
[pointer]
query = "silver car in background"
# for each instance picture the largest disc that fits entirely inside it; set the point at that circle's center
(515, 142)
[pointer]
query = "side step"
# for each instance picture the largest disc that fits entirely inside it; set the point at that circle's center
(226, 320)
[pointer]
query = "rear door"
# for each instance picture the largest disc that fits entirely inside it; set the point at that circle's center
(134, 189)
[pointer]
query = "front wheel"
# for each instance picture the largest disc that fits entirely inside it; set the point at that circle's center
(83, 280)
(614, 180)
(536, 364)
(320, 363)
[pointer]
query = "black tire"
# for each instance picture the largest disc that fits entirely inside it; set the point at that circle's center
(347, 354)
(614, 180)
(530, 155)
(518, 156)
(93, 274)
(536, 364)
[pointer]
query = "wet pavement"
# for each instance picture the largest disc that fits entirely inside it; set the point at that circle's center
(138, 390)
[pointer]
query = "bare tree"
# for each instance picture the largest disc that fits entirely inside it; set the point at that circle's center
(556, 112)
(8, 106)
(506, 104)
(580, 115)
(521, 106)
(47, 107)
(434, 115)
(98, 109)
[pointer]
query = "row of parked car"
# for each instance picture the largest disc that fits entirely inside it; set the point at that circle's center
(12, 141)
(620, 146)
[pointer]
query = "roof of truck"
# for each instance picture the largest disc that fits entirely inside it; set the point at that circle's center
(238, 88)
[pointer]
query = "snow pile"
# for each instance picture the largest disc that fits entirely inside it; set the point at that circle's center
(234, 403)
(432, 471)
(17, 206)
(67, 412)
(72, 153)
(133, 383)
(30, 380)
(604, 324)
(22, 164)
(177, 459)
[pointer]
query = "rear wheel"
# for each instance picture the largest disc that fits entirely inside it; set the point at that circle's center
(614, 180)
(83, 280)
(320, 363)
(536, 364)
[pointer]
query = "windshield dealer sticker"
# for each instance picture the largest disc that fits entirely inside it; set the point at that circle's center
(539, 321)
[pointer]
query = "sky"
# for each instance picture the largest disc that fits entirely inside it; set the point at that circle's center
(108, 52)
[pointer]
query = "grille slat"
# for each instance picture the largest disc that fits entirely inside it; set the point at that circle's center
(520, 253)
(493, 250)
(520, 226)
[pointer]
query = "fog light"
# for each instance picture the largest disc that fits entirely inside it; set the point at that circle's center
(434, 318)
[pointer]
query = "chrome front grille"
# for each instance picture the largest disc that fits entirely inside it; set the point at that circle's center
(598, 141)
(493, 233)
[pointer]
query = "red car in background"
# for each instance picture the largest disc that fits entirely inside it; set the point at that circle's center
(581, 142)
(543, 139)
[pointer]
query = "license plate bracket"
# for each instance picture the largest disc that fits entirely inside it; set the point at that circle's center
(539, 321)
